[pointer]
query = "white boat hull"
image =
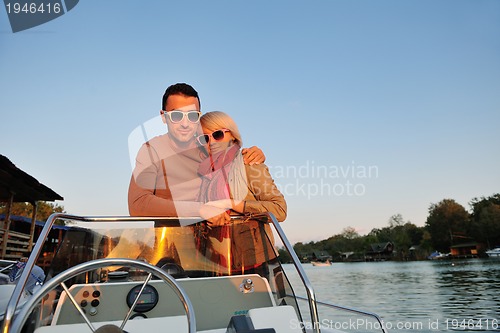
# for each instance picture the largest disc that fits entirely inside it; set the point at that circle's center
(495, 253)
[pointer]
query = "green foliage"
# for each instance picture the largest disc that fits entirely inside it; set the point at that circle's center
(43, 209)
(396, 220)
(426, 242)
(447, 219)
(402, 235)
(485, 220)
(350, 233)
(284, 256)
(303, 250)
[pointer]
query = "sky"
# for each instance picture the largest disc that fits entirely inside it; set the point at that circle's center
(364, 108)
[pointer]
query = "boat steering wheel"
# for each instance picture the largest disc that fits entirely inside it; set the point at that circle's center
(22, 316)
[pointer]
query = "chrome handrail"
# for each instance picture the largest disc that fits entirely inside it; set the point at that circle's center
(9, 264)
(302, 274)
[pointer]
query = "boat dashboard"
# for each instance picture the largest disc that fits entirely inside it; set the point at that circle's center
(215, 300)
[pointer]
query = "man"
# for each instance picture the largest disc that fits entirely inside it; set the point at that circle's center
(165, 181)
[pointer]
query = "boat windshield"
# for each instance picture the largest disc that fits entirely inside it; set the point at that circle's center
(241, 247)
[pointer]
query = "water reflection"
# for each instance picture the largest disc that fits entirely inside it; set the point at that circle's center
(430, 292)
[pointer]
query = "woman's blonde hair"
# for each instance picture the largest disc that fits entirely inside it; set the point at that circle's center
(216, 120)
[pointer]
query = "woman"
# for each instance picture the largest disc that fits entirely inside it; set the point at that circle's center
(231, 186)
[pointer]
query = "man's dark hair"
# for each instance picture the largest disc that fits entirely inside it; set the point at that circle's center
(179, 89)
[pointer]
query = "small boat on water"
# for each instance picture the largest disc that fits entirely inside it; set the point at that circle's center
(438, 255)
(321, 263)
(494, 252)
(154, 274)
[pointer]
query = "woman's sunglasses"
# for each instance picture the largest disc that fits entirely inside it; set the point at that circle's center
(216, 135)
(177, 116)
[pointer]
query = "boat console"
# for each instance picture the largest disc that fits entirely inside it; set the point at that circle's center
(215, 300)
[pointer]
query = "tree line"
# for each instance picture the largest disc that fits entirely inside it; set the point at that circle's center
(448, 223)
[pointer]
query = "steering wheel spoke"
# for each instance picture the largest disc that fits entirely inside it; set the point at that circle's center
(129, 313)
(78, 308)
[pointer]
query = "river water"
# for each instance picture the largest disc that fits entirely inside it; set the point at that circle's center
(422, 296)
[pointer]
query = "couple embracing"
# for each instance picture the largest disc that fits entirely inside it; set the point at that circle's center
(198, 168)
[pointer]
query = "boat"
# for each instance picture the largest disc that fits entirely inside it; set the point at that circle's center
(321, 263)
(438, 255)
(166, 274)
(494, 253)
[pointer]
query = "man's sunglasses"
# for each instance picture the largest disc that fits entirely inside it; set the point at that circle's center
(177, 116)
(216, 135)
